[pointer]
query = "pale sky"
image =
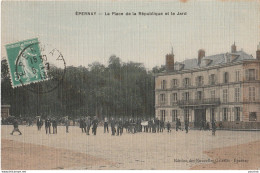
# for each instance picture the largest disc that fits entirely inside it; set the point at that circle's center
(211, 25)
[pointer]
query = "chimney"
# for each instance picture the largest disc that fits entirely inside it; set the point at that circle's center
(233, 48)
(258, 52)
(170, 62)
(201, 54)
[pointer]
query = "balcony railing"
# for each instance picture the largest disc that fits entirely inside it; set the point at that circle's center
(208, 101)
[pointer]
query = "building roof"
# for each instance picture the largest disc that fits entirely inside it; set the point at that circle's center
(212, 60)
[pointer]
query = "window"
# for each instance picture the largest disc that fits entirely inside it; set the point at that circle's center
(251, 93)
(212, 94)
(225, 114)
(162, 114)
(225, 96)
(212, 79)
(162, 99)
(237, 94)
(199, 95)
(226, 77)
(252, 116)
(174, 83)
(237, 75)
(174, 115)
(186, 82)
(163, 84)
(200, 81)
(175, 97)
(186, 96)
(186, 114)
(251, 74)
(237, 113)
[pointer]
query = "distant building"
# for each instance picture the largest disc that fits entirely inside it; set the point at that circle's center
(224, 87)
(5, 111)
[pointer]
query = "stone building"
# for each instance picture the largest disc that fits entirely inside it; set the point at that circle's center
(224, 87)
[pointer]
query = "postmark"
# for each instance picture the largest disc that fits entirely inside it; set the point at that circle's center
(46, 67)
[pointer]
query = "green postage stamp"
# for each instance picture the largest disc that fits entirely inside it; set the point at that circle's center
(25, 62)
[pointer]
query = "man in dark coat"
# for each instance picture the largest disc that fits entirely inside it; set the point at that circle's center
(88, 123)
(81, 124)
(39, 123)
(161, 125)
(186, 125)
(113, 129)
(15, 124)
(214, 128)
(94, 126)
(168, 126)
(54, 126)
(106, 125)
(48, 125)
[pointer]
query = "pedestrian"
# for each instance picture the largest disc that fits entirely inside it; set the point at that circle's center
(88, 123)
(178, 124)
(48, 126)
(16, 129)
(54, 126)
(67, 123)
(81, 125)
(39, 123)
(113, 129)
(186, 125)
(157, 123)
(119, 127)
(94, 126)
(106, 125)
(168, 127)
(150, 124)
(161, 125)
(214, 128)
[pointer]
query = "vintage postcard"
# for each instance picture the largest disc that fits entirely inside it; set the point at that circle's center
(130, 85)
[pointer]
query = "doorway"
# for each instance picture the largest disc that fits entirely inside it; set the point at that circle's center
(200, 115)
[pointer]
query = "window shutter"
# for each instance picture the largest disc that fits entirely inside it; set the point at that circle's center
(209, 79)
(197, 82)
(196, 95)
(202, 80)
(183, 82)
(183, 96)
(215, 79)
(202, 94)
(171, 98)
(177, 82)
(256, 74)
(247, 74)
(166, 98)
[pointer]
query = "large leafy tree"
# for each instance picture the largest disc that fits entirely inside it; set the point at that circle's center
(118, 89)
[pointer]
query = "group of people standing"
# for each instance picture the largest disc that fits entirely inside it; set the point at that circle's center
(48, 124)
(117, 126)
(85, 125)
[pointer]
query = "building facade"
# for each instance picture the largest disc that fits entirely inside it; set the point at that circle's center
(223, 87)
